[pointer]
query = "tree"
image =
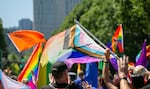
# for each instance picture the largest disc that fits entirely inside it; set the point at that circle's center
(101, 17)
(136, 24)
(2, 39)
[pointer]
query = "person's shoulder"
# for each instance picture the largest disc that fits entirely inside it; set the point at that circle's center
(77, 80)
(46, 87)
(73, 86)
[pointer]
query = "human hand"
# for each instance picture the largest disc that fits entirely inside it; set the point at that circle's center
(123, 67)
(86, 85)
(107, 55)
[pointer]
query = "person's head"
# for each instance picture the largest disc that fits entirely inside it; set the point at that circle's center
(25, 81)
(138, 76)
(60, 72)
(81, 75)
(137, 81)
(139, 70)
(72, 76)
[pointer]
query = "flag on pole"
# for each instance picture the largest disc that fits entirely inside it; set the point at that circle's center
(71, 46)
(117, 40)
(147, 53)
(142, 59)
(25, 39)
(32, 65)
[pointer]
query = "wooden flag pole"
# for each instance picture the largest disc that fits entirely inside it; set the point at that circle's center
(96, 39)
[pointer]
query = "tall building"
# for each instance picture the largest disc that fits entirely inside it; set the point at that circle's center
(25, 24)
(49, 14)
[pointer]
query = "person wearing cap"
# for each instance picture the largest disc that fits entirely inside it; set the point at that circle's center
(59, 77)
(80, 79)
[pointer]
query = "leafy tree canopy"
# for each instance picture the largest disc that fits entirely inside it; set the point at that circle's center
(101, 18)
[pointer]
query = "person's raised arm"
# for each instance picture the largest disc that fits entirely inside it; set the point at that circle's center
(105, 73)
(122, 72)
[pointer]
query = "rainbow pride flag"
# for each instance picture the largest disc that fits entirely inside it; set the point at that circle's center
(71, 44)
(31, 65)
(117, 40)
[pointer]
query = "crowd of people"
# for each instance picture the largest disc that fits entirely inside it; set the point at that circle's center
(126, 78)
(133, 77)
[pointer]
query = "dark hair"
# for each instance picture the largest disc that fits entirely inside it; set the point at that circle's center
(58, 68)
(81, 73)
(138, 81)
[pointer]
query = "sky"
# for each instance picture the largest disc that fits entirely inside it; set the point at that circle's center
(11, 11)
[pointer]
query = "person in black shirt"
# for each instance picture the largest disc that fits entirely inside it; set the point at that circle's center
(59, 77)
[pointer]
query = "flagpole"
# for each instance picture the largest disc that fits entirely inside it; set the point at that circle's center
(95, 38)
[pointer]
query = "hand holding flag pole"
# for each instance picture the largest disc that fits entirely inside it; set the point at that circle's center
(96, 39)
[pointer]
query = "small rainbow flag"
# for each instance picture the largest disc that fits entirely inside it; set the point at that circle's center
(117, 40)
(31, 65)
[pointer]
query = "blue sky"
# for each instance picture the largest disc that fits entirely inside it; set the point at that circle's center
(11, 11)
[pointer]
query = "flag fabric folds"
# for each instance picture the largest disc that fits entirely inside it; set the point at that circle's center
(91, 74)
(117, 40)
(71, 46)
(147, 53)
(25, 39)
(142, 59)
(8, 83)
(43, 75)
(32, 65)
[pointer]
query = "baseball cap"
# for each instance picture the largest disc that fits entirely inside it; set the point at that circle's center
(58, 67)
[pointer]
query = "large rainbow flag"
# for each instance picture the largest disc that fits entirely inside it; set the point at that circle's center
(117, 40)
(71, 46)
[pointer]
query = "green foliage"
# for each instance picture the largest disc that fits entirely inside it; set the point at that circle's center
(2, 39)
(15, 67)
(136, 22)
(12, 57)
(101, 18)
(13, 63)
